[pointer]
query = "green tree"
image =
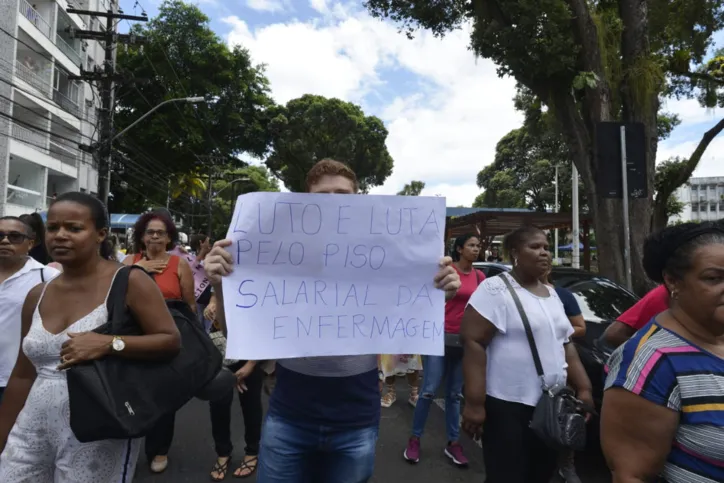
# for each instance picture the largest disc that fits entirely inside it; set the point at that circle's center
(587, 62)
(312, 128)
(183, 57)
(230, 184)
(413, 188)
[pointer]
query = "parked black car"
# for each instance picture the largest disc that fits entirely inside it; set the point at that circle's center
(601, 301)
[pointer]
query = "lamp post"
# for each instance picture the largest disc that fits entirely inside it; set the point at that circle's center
(192, 100)
(104, 161)
(245, 178)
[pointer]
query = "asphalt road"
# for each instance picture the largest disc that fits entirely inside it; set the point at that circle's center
(192, 454)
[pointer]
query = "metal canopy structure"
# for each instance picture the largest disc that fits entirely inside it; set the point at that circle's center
(492, 222)
(499, 221)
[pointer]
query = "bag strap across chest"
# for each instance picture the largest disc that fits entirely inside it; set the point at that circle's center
(526, 325)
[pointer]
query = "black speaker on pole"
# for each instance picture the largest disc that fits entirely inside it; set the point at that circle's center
(608, 154)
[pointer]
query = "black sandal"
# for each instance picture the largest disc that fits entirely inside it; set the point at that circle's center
(220, 468)
(250, 465)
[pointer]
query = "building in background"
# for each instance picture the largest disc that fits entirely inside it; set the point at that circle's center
(703, 200)
(44, 115)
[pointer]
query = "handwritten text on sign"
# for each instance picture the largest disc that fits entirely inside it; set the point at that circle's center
(331, 274)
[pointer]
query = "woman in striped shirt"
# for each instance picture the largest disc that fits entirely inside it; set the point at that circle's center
(663, 409)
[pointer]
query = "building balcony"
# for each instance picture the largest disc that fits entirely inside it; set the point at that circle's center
(34, 138)
(66, 103)
(64, 151)
(35, 18)
(58, 149)
(68, 50)
(33, 77)
(29, 200)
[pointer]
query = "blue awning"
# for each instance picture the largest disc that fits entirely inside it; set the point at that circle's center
(122, 220)
(569, 248)
(119, 221)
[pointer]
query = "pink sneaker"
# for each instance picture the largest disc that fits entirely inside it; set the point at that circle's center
(454, 451)
(412, 452)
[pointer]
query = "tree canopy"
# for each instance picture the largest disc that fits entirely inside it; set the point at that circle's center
(311, 128)
(228, 185)
(182, 57)
(587, 62)
(413, 188)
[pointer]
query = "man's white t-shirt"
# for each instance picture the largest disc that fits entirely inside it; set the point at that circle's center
(12, 297)
(511, 374)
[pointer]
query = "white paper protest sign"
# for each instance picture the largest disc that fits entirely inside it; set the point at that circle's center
(333, 274)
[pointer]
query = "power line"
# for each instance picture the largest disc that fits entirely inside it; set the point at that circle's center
(40, 147)
(35, 96)
(41, 130)
(106, 78)
(17, 104)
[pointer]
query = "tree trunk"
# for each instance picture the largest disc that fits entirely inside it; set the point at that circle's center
(639, 105)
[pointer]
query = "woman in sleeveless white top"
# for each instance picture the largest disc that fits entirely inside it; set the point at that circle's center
(37, 443)
(41, 446)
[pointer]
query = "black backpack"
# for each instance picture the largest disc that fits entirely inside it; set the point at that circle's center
(120, 398)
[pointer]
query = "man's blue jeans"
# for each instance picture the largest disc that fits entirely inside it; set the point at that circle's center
(435, 369)
(301, 453)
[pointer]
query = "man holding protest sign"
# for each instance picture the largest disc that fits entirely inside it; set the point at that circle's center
(366, 275)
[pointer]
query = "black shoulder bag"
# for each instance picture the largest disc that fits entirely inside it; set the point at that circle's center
(453, 343)
(557, 420)
(120, 398)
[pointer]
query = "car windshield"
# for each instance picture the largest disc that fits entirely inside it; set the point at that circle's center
(601, 301)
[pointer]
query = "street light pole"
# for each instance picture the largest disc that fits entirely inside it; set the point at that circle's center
(193, 100)
(557, 210)
(576, 261)
(104, 150)
(245, 178)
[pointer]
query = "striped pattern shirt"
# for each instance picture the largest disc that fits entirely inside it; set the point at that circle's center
(670, 371)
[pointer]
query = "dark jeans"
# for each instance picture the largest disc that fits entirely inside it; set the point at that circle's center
(158, 440)
(512, 452)
(307, 453)
(251, 408)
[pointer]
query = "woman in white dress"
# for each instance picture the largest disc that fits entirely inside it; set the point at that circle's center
(36, 441)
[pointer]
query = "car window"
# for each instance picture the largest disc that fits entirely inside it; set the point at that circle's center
(492, 271)
(601, 300)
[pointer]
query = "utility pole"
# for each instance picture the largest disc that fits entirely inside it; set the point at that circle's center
(211, 198)
(106, 77)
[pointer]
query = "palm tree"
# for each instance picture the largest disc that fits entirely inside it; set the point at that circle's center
(189, 184)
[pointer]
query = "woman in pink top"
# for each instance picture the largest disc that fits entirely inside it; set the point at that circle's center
(450, 366)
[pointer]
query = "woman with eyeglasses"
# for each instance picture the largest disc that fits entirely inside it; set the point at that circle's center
(154, 235)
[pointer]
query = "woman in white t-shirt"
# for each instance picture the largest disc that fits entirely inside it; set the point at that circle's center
(502, 386)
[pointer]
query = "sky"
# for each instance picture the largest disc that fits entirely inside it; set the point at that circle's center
(445, 109)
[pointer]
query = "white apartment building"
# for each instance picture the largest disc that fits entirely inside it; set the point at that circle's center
(43, 114)
(703, 199)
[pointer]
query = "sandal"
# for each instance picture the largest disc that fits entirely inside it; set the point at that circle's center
(220, 469)
(414, 395)
(389, 398)
(247, 465)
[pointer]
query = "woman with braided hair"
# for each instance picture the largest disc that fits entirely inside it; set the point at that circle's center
(663, 407)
